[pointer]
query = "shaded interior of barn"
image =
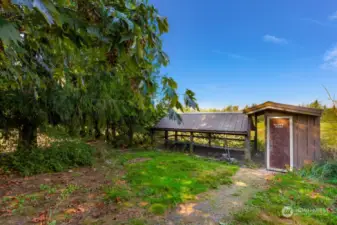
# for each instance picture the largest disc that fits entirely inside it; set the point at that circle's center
(211, 134)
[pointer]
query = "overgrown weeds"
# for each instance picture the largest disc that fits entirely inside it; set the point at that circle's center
(58, 157)
(310, 201)
(326, 172)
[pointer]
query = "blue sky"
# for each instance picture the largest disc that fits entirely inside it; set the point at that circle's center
(242, 52)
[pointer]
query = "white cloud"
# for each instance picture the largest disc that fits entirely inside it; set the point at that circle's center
(231, 55)
(317, 22)
(322, 23)
(275, 40)
(333, 16)
(330, 59)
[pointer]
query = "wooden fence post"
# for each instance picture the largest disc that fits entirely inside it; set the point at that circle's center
(175, 140)
(166, 138)
(247, 141)
(191, 142)
(152, 138)
(255, 137)
(209, 139)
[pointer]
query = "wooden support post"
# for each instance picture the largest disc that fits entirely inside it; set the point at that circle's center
(210, 140)
(152, 138)
(191, 142)
(265, 138)
(255, 134)
(247, 141)
(166, 138)
(175, 140)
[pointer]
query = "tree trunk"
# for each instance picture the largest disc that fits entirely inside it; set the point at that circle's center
(27, 136)
(83, 121)
(130, 134)
(107, 131)
(98, 133)
(114, 135)
(2, 49)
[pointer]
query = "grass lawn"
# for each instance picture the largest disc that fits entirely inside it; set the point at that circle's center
(124, 186)
(312, 202)
(329, 136)
(165, 179)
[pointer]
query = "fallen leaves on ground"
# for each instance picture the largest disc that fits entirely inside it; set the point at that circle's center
(42, 218)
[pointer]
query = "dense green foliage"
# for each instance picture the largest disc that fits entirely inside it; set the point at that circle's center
(59, 157)
(312, 203)
(92, 66)
(164, 179)
(326, 172)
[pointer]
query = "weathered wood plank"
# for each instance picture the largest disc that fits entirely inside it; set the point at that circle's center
(295, 146)
(255, 134)
(283, 107)
(311, 144)
(302, 140)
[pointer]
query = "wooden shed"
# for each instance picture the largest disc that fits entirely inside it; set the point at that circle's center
(292, 134)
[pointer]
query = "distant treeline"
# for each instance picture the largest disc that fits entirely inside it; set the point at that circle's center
(329, 113)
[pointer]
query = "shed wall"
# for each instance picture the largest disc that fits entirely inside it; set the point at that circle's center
(306, 136)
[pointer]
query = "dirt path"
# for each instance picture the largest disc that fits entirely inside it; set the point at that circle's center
(218, 205)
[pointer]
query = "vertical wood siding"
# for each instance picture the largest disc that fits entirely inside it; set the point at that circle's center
(306, 137)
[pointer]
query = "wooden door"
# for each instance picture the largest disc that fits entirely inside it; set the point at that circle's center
(279, 143)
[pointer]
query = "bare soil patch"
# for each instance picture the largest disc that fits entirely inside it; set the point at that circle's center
(218, 205)
(73, 197)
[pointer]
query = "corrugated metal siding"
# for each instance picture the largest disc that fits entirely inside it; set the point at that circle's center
(217, 122)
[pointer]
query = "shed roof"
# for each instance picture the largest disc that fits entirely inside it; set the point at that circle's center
(283, 107)
(225, 123)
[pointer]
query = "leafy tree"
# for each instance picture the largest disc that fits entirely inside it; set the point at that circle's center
(231, 108)
(236, 108)
(316, 104)
(89, 65)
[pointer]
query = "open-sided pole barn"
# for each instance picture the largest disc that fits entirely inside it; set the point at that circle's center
(292, 133)
(195, 125)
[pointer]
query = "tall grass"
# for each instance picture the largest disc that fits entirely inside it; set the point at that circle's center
(326, 172)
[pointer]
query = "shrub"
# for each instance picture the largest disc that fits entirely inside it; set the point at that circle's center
(326, 171)
(59, 157)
